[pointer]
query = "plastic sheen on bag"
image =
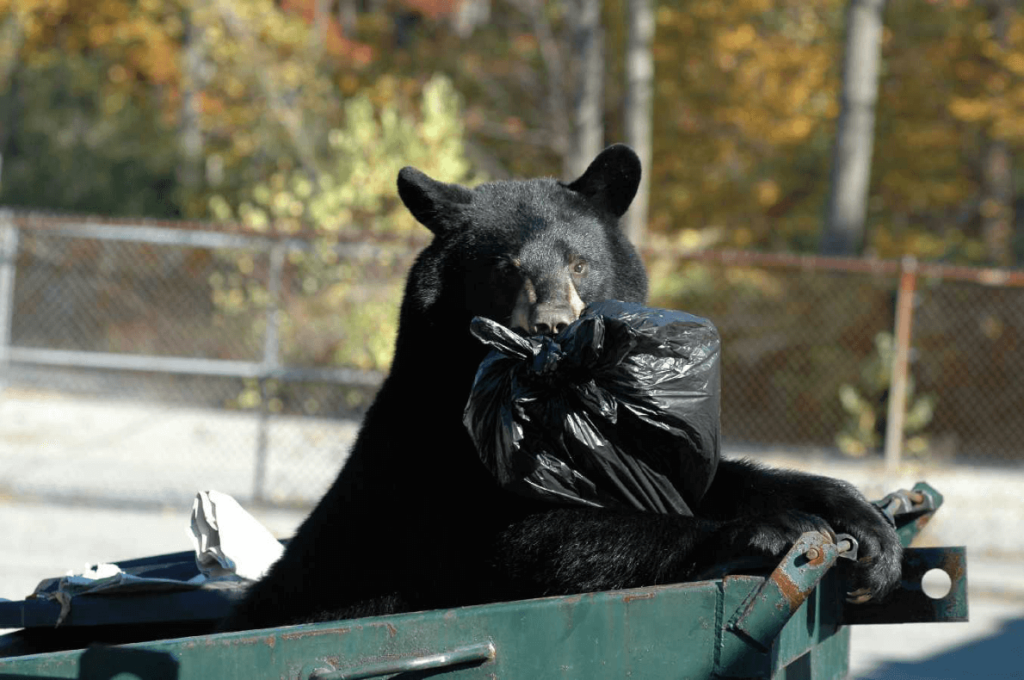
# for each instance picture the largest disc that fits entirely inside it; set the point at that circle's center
(621, 409)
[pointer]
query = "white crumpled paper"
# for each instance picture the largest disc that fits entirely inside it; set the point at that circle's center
(228, 540)
(229, 544)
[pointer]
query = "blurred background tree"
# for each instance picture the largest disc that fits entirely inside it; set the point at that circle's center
(344, 310)
(152, 107)
(292, 117)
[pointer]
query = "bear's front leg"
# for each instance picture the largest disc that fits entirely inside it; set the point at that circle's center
(742, 489)
(580, 550)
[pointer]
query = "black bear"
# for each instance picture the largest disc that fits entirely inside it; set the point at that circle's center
(414, 521)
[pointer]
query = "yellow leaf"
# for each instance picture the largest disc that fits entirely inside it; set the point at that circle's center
(767, 192)
(969, 110)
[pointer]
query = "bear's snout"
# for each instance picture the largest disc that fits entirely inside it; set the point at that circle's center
(551, 319)
(547, 308)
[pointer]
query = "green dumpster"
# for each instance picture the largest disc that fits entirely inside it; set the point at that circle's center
(791, 622)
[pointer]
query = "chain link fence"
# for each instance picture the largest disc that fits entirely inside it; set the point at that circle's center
(969, 352)
(144, 361)
(809, 350)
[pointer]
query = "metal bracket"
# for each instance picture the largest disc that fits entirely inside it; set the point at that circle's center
(788, 586)
(909, 511)
(909, 603)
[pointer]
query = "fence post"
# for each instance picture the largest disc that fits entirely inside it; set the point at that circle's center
(271, 361)
(900, 364)
(8, 257)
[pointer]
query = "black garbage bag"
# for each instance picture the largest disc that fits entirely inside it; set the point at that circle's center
(621, 409)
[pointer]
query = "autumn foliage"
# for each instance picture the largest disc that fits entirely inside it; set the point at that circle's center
(745, 105)
(282, 117)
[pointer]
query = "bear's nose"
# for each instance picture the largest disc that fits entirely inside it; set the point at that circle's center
(550, 319)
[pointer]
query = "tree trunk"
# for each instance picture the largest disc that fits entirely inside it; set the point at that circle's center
(347, 17)
(470, 15)
(997, 203)
(639, 111)
(851, 164)
(11, 39)
(556, 77)
(587, 40)
(997, 171)
(321, 16)
(190, 139)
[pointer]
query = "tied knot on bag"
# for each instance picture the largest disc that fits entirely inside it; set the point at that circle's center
(576, 354)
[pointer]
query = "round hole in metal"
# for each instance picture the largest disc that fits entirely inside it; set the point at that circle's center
(936, 584)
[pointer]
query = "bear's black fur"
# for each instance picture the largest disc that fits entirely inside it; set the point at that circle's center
(414, 521)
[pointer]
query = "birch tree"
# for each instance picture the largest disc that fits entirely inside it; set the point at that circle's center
(851, 165)
(586, 37)
(638, 113)
(996, 206)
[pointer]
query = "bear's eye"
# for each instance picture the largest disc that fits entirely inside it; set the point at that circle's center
(579, 267)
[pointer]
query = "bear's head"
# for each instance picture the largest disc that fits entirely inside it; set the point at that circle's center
(529, 254)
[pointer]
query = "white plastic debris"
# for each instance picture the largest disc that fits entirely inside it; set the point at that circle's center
(228, 540)
(230, 545)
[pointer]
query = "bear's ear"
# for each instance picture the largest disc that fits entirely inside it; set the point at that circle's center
(430, 201)
(611, 180)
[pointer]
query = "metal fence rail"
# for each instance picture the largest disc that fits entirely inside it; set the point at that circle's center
(166, 383)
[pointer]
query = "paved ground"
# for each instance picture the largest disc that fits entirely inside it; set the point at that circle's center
(989, 646)
(57, 445)
(154, 453)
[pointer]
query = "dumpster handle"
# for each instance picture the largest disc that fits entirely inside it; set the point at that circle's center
(481, 653)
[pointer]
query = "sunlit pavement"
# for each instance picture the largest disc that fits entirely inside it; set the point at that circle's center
(989, 646)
